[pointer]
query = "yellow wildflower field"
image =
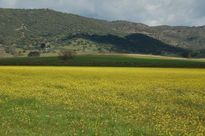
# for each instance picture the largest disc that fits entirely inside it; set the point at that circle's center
(102, 101)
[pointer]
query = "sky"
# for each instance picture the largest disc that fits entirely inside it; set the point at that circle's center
(150, 12)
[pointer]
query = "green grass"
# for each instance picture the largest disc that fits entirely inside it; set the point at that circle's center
(106, 60)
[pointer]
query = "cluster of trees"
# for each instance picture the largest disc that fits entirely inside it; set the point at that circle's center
(63, 54)
(43, 46)
(21, 51)
(66, 54)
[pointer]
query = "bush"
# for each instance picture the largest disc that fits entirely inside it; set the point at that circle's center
(187, 54)
(66, 54)
(43, 46)
(34, 54)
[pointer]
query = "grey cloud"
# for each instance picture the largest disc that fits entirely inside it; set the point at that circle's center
(151, 12)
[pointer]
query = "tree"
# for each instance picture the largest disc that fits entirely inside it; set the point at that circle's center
(43, 46)
(1, 40)
(20, 53)
(34, 54)
(66, 54)
(187, 54)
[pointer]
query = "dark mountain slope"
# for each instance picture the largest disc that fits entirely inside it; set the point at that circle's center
(181, 36)
(133, 43)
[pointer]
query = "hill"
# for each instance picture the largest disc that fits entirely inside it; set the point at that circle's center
(179, 36)
(24, 30)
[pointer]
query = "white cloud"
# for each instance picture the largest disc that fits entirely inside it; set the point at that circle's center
(151, 12)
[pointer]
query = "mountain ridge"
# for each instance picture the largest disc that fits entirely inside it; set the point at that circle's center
(27, 29)
(181, 36)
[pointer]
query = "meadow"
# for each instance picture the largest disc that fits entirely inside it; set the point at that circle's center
(107, 61)
(104, 101)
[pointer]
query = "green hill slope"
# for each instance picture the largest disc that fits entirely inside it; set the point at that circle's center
(22, 25)
(24, 30)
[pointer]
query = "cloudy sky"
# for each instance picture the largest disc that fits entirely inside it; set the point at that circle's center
(150, 12)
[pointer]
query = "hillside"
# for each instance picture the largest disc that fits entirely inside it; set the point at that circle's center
(43, 24)
(24, 30)
(179, 36)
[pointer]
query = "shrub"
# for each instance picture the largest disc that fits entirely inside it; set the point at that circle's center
(43, 46)
(66, 54)
(187, 54)
(34, 54)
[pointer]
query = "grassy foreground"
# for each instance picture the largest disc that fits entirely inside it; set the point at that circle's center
(101, 101)
(106, 60)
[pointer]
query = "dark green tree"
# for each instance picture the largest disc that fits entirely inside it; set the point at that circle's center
(43, 46)
(34, 54)
(66, 54)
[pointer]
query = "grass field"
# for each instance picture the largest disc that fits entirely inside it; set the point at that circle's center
(102, 101)
(107, 60)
